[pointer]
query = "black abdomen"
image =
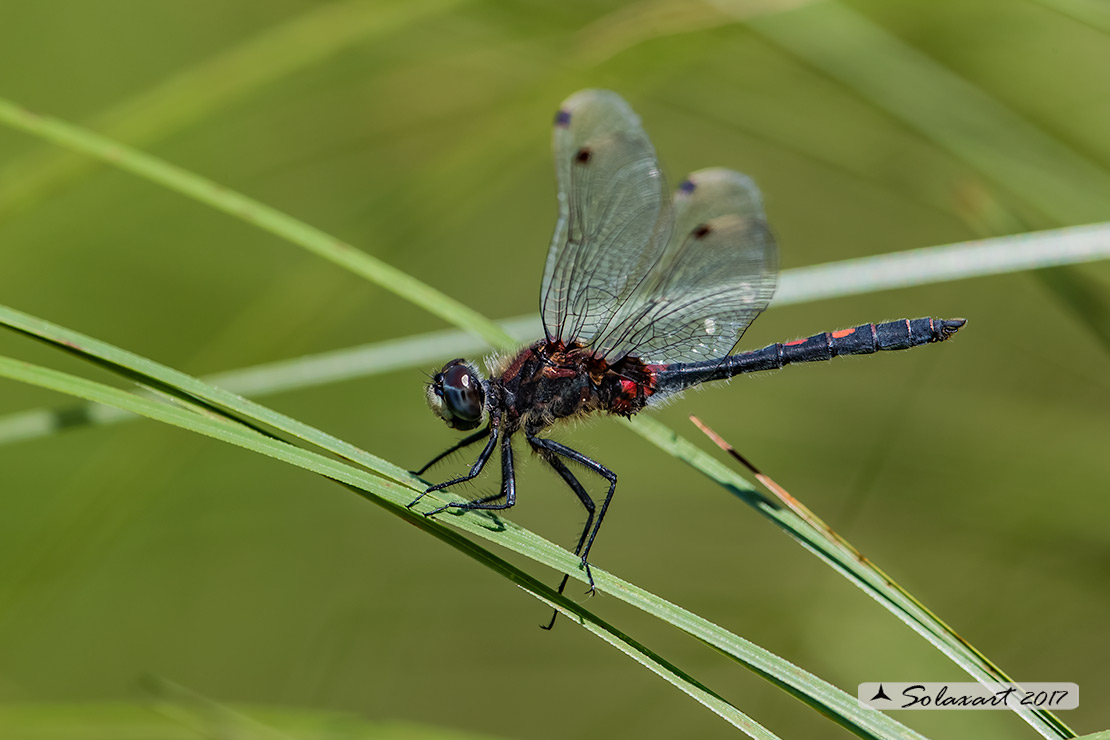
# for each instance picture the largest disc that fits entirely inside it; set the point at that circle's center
(862, 340)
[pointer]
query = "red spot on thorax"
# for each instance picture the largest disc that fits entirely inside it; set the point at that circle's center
(843, 333)
(629, 388)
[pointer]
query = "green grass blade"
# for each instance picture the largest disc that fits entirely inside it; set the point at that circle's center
(280, 228)
(220, 721)
(841, 557)
(183, 99)
(250, 210)
(285, 375)
(1088, 300)
(1055, 183)
(265, 218)
(394, 494)
(1051, 179)
(848, 277)
(159, 376)
(1093, 13)
(997, 255)
(636, 23)
(176, 718)
(387, 494)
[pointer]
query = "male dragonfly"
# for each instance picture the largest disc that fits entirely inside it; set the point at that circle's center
(644, 295)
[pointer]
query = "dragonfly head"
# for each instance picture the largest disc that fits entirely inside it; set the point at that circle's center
(457, 394)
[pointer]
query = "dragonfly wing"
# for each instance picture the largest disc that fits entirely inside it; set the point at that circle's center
(614, 215)
(717, 274)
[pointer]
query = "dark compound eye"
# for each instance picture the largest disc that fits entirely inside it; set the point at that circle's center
(462, 393)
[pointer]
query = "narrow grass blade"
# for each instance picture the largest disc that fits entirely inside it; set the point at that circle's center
(341, 254)
(1088, 300)
(1055, 183)
(322, 32)
(1093, 13)
(284, 375)
(177, 718)
(250, 210)
(1015, 253)
(1051, 179)
(394, 496)
(635, 23)
(964, 260)
(797, 521)
(197, 713)
(188, 388)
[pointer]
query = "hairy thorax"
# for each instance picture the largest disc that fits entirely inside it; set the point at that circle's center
(549, 381)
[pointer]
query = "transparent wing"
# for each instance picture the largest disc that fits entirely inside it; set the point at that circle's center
(614, 215)
(717, 274)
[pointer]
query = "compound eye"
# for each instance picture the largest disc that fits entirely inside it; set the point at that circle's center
(462, 392)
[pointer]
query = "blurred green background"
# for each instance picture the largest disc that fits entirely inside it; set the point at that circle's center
(974, 472)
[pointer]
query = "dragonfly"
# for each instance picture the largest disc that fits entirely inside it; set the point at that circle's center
(644, 295)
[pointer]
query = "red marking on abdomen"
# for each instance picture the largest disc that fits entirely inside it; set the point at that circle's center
(796, 341)
(652, 372)
(843, 333)
(629, 393)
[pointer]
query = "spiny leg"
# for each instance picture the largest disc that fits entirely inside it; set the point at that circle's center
(508, 486)
(467, 441)
(568, 477)
(584, 497)
(474, 470)
(604, 472)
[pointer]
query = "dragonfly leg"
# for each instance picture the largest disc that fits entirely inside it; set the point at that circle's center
(475, 469)
(466, 442)
(568, 477)
(604, 472)
(508, 485)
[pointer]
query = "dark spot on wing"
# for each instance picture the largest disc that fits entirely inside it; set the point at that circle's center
(584, 155)
(702, 231)
(687, 186)
(562, 118)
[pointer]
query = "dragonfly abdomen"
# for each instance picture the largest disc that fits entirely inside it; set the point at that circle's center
(861, 340)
